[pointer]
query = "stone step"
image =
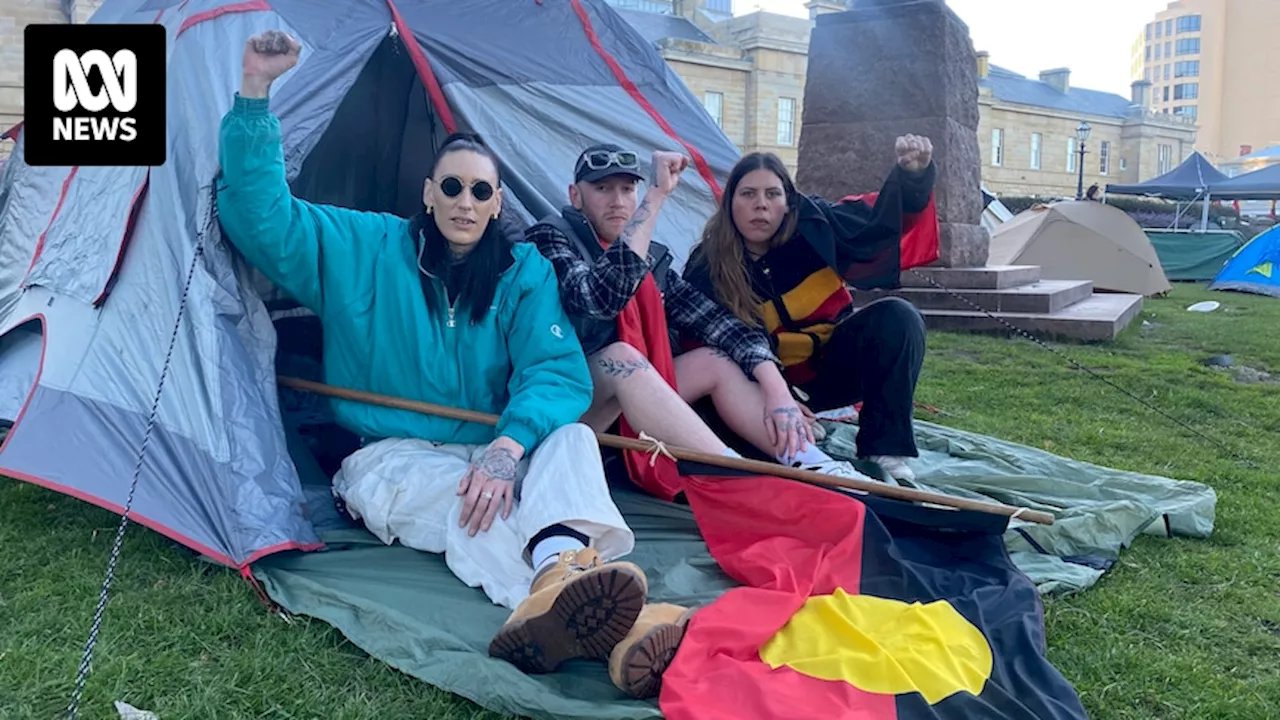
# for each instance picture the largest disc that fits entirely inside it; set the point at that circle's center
(991, 277)
(1100, 317)
(1044, 296)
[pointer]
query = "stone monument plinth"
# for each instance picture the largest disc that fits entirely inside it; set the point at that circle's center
(886, 68)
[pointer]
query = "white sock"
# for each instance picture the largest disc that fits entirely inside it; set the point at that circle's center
(731, 453)
(810, 455)
(548, 550)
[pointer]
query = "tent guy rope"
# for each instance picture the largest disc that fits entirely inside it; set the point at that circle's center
(755, 467)
(86, 659)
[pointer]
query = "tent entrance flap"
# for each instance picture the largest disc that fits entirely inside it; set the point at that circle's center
(380, 144)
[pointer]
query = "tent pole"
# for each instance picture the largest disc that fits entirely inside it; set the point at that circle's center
(1204, 214)
(752, 466)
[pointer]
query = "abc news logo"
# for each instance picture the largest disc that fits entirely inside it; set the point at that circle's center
(95, 95)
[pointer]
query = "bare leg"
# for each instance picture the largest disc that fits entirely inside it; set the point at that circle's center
(626, 383)
(739, 401)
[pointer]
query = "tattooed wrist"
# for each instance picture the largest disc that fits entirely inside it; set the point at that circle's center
(498, 463)
(641, 214)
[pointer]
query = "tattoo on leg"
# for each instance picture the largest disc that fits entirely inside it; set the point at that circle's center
(622, 368)
(499, 464)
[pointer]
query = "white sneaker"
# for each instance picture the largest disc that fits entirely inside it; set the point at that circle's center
(895, 466)
(838, 468)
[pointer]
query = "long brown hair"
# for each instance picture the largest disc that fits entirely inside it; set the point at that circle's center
(723, 249)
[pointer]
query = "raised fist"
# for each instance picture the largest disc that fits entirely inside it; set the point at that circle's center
(667, 167)
(915, 152)
(267, 56)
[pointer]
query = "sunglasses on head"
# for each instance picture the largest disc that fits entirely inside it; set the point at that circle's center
(480, 190)
(601, 159)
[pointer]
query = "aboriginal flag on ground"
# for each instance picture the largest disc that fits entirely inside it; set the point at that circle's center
(859, 608)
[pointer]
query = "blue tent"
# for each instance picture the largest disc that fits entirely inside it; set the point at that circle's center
(1255, 268)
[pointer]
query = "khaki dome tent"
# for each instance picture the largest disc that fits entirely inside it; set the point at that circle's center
(1082, 240)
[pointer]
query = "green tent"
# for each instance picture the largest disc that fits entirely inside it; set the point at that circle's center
(1194, 256)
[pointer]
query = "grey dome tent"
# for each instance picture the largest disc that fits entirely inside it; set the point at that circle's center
(98, 264)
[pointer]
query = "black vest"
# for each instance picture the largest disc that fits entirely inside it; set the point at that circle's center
(596, 334)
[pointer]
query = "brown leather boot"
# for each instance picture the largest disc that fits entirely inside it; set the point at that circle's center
(637, 663)
(578, 607)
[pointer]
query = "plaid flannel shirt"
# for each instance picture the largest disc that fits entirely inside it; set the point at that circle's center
(600, 290)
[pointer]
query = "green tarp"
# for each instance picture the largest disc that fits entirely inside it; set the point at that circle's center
(1194, 256)
(406, 609)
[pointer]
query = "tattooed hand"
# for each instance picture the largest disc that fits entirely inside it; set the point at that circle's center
(786, 425)
(490, 484)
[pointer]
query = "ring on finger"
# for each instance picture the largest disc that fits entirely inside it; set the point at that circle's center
(487, 495)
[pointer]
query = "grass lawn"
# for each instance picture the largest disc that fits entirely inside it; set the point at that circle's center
(1179, 629)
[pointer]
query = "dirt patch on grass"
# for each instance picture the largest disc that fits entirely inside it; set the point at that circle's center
(1249, 376)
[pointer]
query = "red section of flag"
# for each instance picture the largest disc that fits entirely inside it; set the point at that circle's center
(785, 541)
(642, 324)
(919, 244)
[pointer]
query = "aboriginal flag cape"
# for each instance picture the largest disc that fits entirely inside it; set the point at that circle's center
(859, 608)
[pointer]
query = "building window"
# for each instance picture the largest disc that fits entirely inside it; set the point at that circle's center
(1071, 154)
(1164, 159)
(714, 103)
(1168, 27)
(1124, 164)
(997, 147)
(1185, 111)
(1166, 73)
(1168, 49)
(1189, 46)
(1157, 51)
(1035, 151)
(1148, 31)
(1104, 157)
(1146, 74)
(1186, 91)
(1148, 57)
(786, 121)
(1187, 68)
(1188, 24)
(1159, 29)
(1166, 93)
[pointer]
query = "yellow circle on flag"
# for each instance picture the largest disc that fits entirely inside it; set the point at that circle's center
(883, 646)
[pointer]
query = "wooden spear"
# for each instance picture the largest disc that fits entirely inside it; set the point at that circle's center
(754, 467)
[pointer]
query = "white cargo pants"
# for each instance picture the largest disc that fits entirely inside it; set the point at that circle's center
(406, 490)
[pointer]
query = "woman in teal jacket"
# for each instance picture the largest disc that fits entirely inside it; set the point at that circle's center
(443, 308)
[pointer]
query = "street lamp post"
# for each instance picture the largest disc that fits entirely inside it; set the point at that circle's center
(1082, 134)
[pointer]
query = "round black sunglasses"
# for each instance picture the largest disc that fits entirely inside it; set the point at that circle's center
(480, 190)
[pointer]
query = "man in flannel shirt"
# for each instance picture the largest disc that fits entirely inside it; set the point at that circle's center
(627, 302)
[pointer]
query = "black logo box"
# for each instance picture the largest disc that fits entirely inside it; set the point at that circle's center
(90, 144)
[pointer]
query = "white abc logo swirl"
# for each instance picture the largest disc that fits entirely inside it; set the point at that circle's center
(119, 80)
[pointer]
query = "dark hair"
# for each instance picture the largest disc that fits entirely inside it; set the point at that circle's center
(479, 272)
(722, 249)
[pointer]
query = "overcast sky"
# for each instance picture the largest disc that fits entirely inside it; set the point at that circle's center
(1092, 37)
